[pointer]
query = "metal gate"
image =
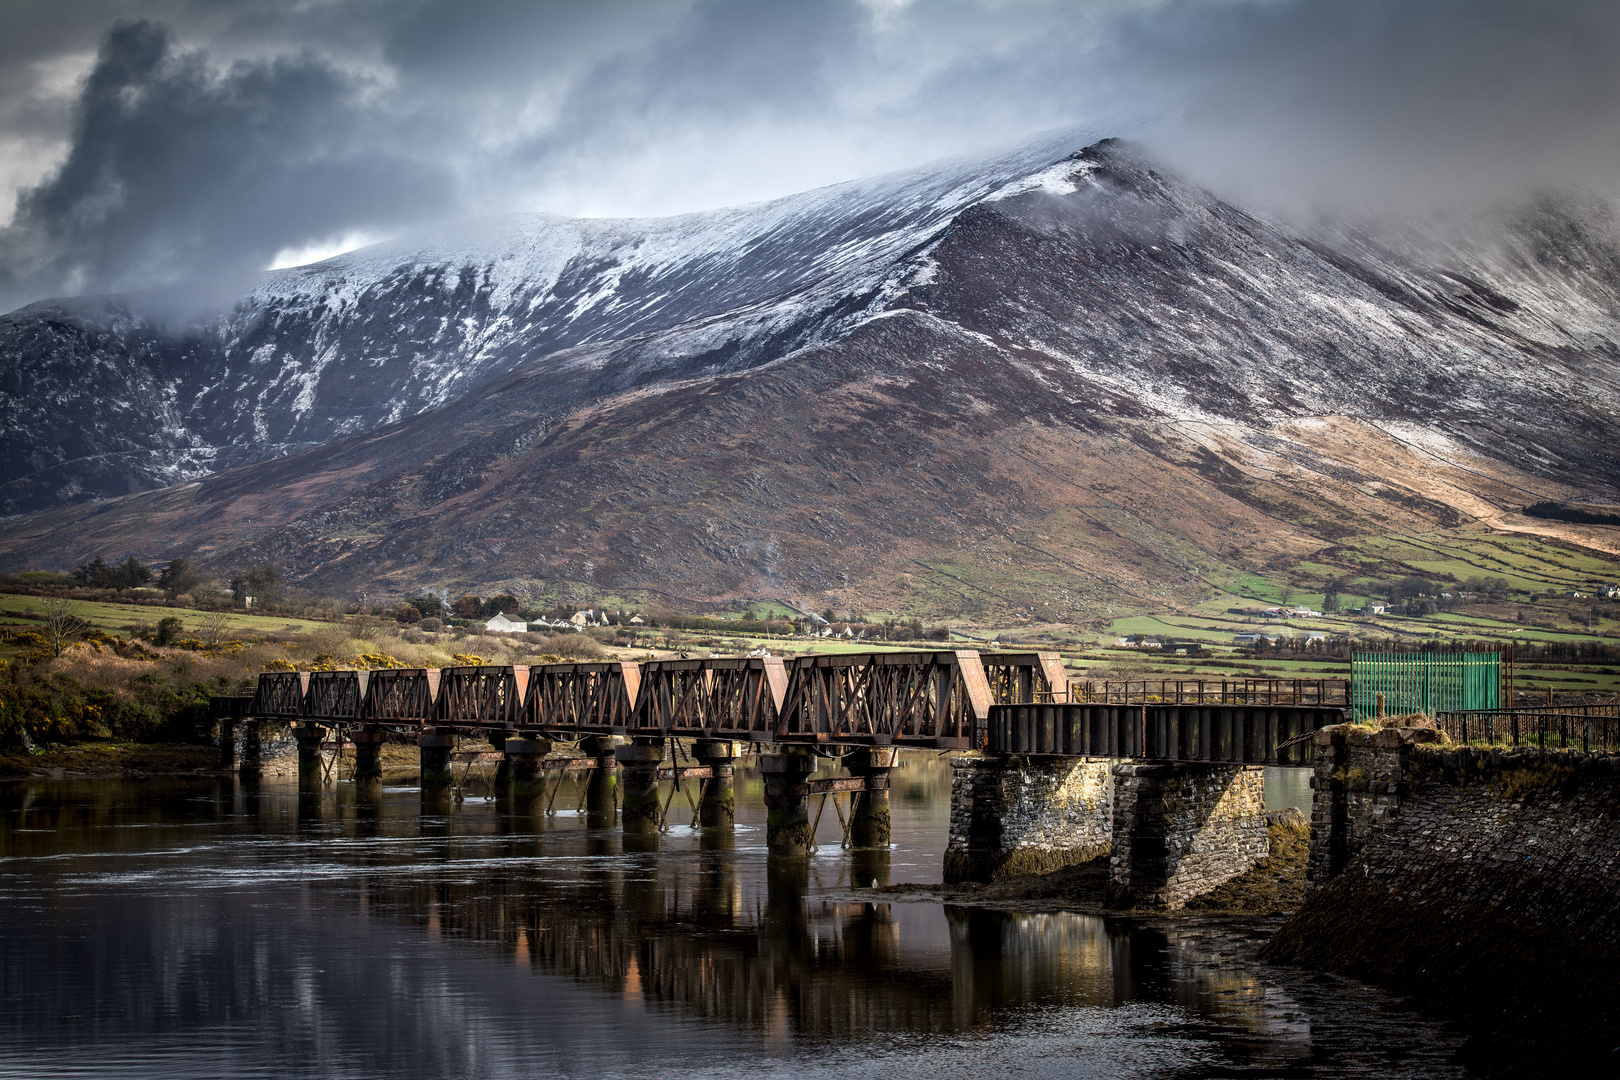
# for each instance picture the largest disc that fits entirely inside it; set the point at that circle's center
(1426, 682)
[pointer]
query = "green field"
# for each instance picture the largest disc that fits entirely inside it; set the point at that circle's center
(115, 618)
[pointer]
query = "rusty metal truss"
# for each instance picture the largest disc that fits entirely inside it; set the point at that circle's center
(281, 693)
(402, 695)
(1018, 677)
(711, 697)
(582, 697)
(938, 698)
(489, 696)
(335, 695)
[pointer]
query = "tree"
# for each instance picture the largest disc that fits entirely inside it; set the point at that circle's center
(425, 606)
(503, 602)
(408, 614)
(178, 577)
(216, 625)
(168, 628)
(96, 574)
(468, 607)
(1330, 596)
(263, 583)
(61, 627)
(131, 574)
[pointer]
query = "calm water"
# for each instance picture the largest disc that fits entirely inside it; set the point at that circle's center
(207, 928)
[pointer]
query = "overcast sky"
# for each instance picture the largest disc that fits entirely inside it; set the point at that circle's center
(147, 142)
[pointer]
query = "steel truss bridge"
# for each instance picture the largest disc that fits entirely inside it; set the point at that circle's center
(999, 702)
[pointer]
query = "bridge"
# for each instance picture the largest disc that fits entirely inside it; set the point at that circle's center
(633, 722)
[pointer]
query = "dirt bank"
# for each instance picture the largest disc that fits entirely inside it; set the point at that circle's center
(109, 758)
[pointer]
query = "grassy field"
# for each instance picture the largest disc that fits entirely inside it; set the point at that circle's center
(115, 618)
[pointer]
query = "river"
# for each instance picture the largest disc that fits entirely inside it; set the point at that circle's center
(210, 927)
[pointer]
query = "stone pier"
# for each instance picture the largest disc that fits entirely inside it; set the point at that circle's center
(1182, 829)
(1017, 815)
(525, 757)
(436, 748)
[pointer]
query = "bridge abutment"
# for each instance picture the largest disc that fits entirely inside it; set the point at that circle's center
(1018, 815)
(1181, 829)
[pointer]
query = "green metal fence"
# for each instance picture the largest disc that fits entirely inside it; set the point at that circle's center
(1427, 682)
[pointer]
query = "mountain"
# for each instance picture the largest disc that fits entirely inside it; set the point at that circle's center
(1052, 383)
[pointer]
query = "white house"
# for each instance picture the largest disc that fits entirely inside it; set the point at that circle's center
(500, 624)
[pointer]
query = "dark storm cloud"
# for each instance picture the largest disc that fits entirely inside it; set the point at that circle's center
(205, 138)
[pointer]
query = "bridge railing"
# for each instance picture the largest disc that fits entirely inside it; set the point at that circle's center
(402, 696)
(1238, 734)
(1015, 677)
(281, 694)
(335, 695)
(720, 697)
(1320, 693)
(488, 696)
(1558, 727)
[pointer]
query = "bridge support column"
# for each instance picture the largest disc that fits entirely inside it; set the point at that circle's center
(869, 811)
(1183, 828)
(1027, 815)
(503, 770)
(787, 795)
(368, 743)
(249, 748)
(640, 807)
(229, 756)
(525, 757)
(435, 748)
(311, 758)
(602, 788)
(717, 806)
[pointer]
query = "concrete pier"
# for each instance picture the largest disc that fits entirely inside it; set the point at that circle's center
(870, 819)
(524, 756)
(787, 796)
(717, 806)
(640, 810)
(602, 789)
(368, 743)
(311, 756)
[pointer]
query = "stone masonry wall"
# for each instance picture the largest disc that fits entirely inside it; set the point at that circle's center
(1482, 878)
(1020, 816)
(1183, 829)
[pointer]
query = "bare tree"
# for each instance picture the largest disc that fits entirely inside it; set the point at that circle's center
(61, 627)
(215, 628)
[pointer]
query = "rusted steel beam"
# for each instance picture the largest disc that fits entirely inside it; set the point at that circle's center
(1238, 734)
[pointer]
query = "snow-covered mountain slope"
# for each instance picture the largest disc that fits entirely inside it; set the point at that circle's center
(101, 397)
(1052, 381)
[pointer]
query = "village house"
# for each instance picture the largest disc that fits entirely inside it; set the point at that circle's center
(500, 624)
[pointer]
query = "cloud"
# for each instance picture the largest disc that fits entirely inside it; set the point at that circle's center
(213, 140)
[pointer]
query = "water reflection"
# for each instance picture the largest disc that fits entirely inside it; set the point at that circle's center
(212, 927)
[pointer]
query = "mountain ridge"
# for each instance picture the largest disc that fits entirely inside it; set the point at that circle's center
(1095, 385)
